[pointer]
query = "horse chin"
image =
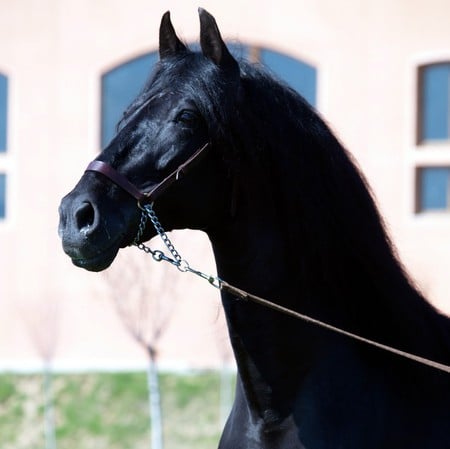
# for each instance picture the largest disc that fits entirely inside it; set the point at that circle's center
(98, 262)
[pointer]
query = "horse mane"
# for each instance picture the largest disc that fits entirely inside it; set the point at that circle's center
(336, 243)
(336, 240)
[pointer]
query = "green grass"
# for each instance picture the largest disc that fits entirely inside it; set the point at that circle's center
(110, 411)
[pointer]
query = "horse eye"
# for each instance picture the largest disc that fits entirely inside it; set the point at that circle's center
(187, 116)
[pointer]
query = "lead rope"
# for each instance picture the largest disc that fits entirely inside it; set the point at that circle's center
(183, 266)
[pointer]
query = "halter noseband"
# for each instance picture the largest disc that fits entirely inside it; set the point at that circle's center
(146, 197)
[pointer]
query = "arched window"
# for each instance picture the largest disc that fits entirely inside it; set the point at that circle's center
(299, 75)
(119, 87)
(121, 84)
(3, 142)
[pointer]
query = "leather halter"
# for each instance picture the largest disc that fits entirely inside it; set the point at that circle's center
(146, 197)
(120, 180)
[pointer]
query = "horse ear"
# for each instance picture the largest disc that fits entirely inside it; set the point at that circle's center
(213, 47)
(169, 44)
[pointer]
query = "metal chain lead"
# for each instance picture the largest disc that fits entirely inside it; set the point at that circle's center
(158, 256)
(148, 209)
(182, 265)
(141, 229)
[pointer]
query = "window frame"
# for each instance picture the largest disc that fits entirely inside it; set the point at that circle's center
(5, 154)
(425, 153)
(4, 109)
(419, 209)
(421, 141)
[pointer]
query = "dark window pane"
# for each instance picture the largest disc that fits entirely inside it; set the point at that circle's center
(2, 195)
(3, 111)
(119, 87)
(239, 51)
(435, 102)
(300, 76)
(433, 185)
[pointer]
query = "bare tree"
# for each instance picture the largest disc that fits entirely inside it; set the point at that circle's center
(144, 303)
(41, 318)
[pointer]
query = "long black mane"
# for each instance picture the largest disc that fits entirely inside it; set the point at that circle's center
(336, 242)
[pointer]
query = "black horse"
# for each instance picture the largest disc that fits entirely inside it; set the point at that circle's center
(291, 219)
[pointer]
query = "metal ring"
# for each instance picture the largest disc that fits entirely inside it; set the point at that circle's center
(183, 266)
(215, 282)
(157, 255)
(142, 207)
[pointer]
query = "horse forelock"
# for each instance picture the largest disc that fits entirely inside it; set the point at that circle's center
(192, 75)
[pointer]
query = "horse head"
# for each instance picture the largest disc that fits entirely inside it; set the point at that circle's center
(181, 109)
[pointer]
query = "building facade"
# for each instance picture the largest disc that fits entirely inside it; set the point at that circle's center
(378, 72)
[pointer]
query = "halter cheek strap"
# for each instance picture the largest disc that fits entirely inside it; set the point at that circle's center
(146, 197)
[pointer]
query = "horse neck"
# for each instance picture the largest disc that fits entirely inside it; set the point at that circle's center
(250, 247)
(250, 253)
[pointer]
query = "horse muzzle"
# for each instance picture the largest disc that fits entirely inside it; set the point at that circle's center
(91, 237)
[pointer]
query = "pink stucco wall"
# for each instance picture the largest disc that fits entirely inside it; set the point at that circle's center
(54, 52)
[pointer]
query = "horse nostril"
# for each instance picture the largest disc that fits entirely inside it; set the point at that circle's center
(85, 217)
